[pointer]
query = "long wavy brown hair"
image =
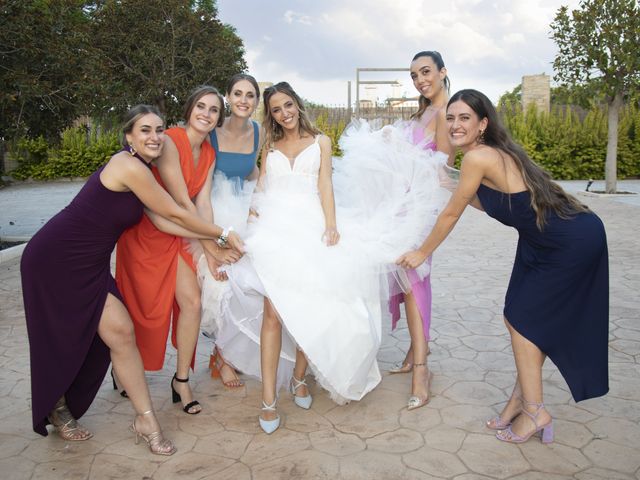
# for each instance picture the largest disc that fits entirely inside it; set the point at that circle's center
(274, 131)
(546, 195)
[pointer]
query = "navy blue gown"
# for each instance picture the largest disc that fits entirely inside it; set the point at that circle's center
(66, 277)
(558, 295)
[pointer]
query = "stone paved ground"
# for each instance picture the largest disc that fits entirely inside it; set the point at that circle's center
(376, 438)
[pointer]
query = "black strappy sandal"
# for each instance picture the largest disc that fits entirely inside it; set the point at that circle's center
(176, 396)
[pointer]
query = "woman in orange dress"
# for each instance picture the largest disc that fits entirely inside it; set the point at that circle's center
(154, 270)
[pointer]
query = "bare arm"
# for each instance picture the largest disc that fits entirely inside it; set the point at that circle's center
(325, 189)
(122, 174)
(253, 210)
(167, 226)
(471, 174)
(171, 173)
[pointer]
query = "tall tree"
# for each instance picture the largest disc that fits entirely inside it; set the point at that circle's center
(41, 55)
(598, 42)
(157, 51)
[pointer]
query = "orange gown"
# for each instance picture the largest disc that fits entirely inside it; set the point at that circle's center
(147, 263)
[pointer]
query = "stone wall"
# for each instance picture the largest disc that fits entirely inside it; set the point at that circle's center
(536, 89)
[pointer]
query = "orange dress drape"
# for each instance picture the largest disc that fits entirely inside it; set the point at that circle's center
(147, 263)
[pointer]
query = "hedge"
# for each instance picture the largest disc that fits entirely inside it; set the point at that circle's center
(574, 146)
(80, 153)
(569, 143)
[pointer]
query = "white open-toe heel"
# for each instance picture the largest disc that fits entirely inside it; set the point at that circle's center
(302, 402)
(269, 426)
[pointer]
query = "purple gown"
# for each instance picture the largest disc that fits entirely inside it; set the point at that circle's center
(66, 277)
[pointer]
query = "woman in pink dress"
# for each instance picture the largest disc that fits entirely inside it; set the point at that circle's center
(429, 127)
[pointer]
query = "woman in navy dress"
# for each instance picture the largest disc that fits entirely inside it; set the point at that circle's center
(557, 302)
(76, 320)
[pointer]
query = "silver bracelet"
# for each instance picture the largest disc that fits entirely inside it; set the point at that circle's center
(223, 238)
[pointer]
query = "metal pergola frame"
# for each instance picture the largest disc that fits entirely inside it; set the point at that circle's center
(373, 82)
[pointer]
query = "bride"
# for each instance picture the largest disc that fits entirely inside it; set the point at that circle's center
(323, 285)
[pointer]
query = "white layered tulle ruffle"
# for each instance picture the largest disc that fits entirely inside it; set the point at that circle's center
(394, 189)
(388, 194)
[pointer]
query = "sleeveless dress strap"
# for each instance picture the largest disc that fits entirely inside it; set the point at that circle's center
(214, 140)
(256, 136)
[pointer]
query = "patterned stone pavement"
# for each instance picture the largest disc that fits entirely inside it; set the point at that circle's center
(376, 438)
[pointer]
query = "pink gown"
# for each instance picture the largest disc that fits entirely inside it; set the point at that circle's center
(420, 288)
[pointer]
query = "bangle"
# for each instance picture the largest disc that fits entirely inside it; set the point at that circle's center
(223, 238)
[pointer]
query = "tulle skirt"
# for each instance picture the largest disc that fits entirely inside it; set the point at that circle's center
(330, 300)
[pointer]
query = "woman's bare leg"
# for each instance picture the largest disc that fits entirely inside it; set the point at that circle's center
(529, 360)
(419, 385)
(299, 371)
(116, 331)
(270, 346)
(188, 328)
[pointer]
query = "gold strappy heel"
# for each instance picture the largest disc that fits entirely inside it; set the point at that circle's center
(156, 441)
(67, 427)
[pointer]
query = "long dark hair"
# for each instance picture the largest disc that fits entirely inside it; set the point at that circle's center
(546, 195)
(424, 102)
(273, 130)
(134, 114)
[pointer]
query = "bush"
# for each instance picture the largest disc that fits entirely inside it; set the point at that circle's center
(333, 130)
(570, 147)
(81, 152)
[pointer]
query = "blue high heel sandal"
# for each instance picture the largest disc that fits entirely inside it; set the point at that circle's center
(269, 426)
(302, 402)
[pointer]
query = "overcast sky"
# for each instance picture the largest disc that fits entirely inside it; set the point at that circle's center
(316, 45)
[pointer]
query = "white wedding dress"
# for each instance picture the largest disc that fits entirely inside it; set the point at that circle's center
(330, 299)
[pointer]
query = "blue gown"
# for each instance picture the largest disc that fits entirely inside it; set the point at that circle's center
(558, 295)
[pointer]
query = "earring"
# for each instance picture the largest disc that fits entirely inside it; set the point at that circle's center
(129, 148)
(480, 138)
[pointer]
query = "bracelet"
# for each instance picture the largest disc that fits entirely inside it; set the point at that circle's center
(223, 238)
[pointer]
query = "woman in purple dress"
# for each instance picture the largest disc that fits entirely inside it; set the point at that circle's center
(557, 302)
(76, 320)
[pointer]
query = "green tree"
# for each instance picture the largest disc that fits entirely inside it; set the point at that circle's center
(511, 98)
(598, 43)
(42, 47)
(156, 52)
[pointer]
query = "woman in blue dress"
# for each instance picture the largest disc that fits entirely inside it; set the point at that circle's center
(557, 302)
(236, 143)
